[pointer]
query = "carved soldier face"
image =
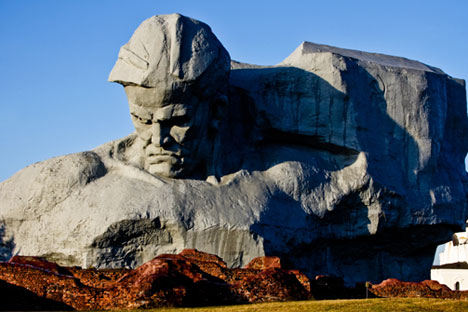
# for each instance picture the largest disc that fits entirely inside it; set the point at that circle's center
(172, 122)
(173, 69)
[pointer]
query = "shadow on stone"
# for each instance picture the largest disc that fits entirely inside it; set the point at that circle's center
(6, 245)
(322, 244)
(14, 298)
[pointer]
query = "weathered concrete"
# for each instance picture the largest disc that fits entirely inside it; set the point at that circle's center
(341, 162)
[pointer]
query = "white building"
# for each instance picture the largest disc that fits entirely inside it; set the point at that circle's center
(450, 266)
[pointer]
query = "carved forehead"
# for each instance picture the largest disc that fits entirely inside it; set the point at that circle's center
(146, 97)
(162, 95)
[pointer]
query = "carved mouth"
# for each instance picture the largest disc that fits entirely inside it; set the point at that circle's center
(165, 157)
(156, 155)
(162, 158)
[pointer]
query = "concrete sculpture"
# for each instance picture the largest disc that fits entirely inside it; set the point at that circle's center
(341, 162)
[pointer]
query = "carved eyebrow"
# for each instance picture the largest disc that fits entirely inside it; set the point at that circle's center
(140, 112)
(171, 111)
(177, 120)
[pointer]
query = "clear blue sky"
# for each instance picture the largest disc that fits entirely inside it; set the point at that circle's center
(56, 55)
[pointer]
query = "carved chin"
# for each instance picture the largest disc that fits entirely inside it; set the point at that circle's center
(165, 170)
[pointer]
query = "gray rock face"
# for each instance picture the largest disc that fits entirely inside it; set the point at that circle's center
(341, 162)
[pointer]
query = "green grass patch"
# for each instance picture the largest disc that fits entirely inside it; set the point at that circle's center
(361, 305)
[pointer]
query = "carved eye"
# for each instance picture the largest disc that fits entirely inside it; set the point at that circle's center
(180, 121)
(143, 121)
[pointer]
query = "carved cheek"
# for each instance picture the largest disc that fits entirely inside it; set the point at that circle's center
(180, 134)
(143, 131)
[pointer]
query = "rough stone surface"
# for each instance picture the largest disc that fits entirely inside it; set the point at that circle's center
(186, 279)
(261, 263)
(339, 162)
(425, 289)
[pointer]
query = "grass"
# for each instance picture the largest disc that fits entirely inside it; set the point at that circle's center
(361, 305)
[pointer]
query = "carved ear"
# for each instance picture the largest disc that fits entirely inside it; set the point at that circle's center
(218, 111)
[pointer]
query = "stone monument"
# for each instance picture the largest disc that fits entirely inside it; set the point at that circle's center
(341, 162)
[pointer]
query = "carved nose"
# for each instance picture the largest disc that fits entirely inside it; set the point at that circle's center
(159, 135)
